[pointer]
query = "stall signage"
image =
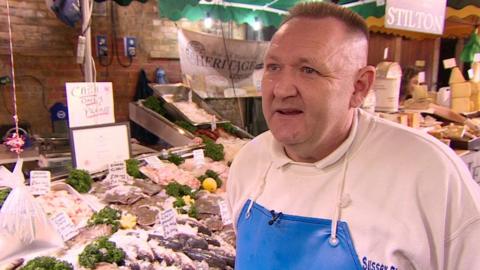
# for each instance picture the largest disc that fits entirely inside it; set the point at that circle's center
(426, 16)
(90, 104)
(40, 182)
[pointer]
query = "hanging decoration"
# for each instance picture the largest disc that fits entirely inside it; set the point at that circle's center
(16, 141)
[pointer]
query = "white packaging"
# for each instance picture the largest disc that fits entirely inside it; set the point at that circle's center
(24, 226)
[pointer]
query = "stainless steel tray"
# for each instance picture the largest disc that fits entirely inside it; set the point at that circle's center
(179, 92)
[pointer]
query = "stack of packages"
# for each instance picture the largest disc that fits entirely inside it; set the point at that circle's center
(475, 86)
(461, 92)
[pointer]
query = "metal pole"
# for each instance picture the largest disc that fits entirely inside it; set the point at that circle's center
(87, 63)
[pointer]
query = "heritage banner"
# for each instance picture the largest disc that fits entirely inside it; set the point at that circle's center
(211, 70)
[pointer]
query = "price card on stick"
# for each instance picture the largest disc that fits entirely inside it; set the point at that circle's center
(385, 53)
(224, 212)
(168, 219)
(476, 57)
(198, 157)
(40, 182)
(421, 77)
(64, 226)
(154, 161)
(420, 63)
(214, 123)
(449, 63)
(470, 74)
(117, 172)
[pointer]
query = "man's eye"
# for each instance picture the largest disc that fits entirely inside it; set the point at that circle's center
(308, 70)
(273, 67)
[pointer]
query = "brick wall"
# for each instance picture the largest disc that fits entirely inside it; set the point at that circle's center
(45, 48)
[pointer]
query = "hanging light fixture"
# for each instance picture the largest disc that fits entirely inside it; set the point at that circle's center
(208, 21)
(257, 24)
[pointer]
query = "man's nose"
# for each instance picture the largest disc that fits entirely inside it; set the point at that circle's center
(285, 86)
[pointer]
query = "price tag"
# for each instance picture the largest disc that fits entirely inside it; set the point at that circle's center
(476, 57)
(40, 182)
(449, 63)
(64, 226)
(470, 74)
(199, 157)
(385, 53)
(154, 162)
(117, 172)
(224, 212)
(214, 123)
(421, 77)
(190, 96)
(169, 222)
(420, 63)
(380, 3)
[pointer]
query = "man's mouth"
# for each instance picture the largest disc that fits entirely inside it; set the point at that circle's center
(289, 111)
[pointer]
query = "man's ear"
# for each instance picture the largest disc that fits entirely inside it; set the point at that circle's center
(362, 84)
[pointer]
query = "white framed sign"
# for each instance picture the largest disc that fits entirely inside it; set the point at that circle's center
(94, 148)
(90, 104)
(426, 16)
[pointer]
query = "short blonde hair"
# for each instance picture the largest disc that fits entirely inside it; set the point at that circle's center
(320, 10)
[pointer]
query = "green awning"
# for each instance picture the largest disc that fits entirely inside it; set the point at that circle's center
(271, 12)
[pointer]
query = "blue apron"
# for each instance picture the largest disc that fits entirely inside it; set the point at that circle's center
(267, 239)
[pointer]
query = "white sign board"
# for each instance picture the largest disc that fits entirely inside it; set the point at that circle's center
(426, 16)
(90, 104)
(95, 148)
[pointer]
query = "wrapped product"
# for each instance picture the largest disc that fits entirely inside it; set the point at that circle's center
(24, 226)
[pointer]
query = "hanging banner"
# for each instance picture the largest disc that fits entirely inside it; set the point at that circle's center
(211, 71)
(426, 16)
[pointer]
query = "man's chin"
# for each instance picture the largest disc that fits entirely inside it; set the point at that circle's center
(287, 138)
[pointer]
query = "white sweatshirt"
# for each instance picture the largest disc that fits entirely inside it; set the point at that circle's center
(410, 202)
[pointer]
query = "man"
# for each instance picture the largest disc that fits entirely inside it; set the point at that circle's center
(332, 187)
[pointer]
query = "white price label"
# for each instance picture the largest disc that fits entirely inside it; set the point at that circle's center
(224, 212)
(214, 122)
(385, 54)
(64, 226)
(421, 77)
(470, 74)
(476, 57)
(169, 222)
(117, 172)
(154, 162)
(420, 63)
(198, 157)
(380, 3)
(190, 96)
(449, 63)
(40, 182)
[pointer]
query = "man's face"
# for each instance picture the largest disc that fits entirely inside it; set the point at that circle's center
(308, 82)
